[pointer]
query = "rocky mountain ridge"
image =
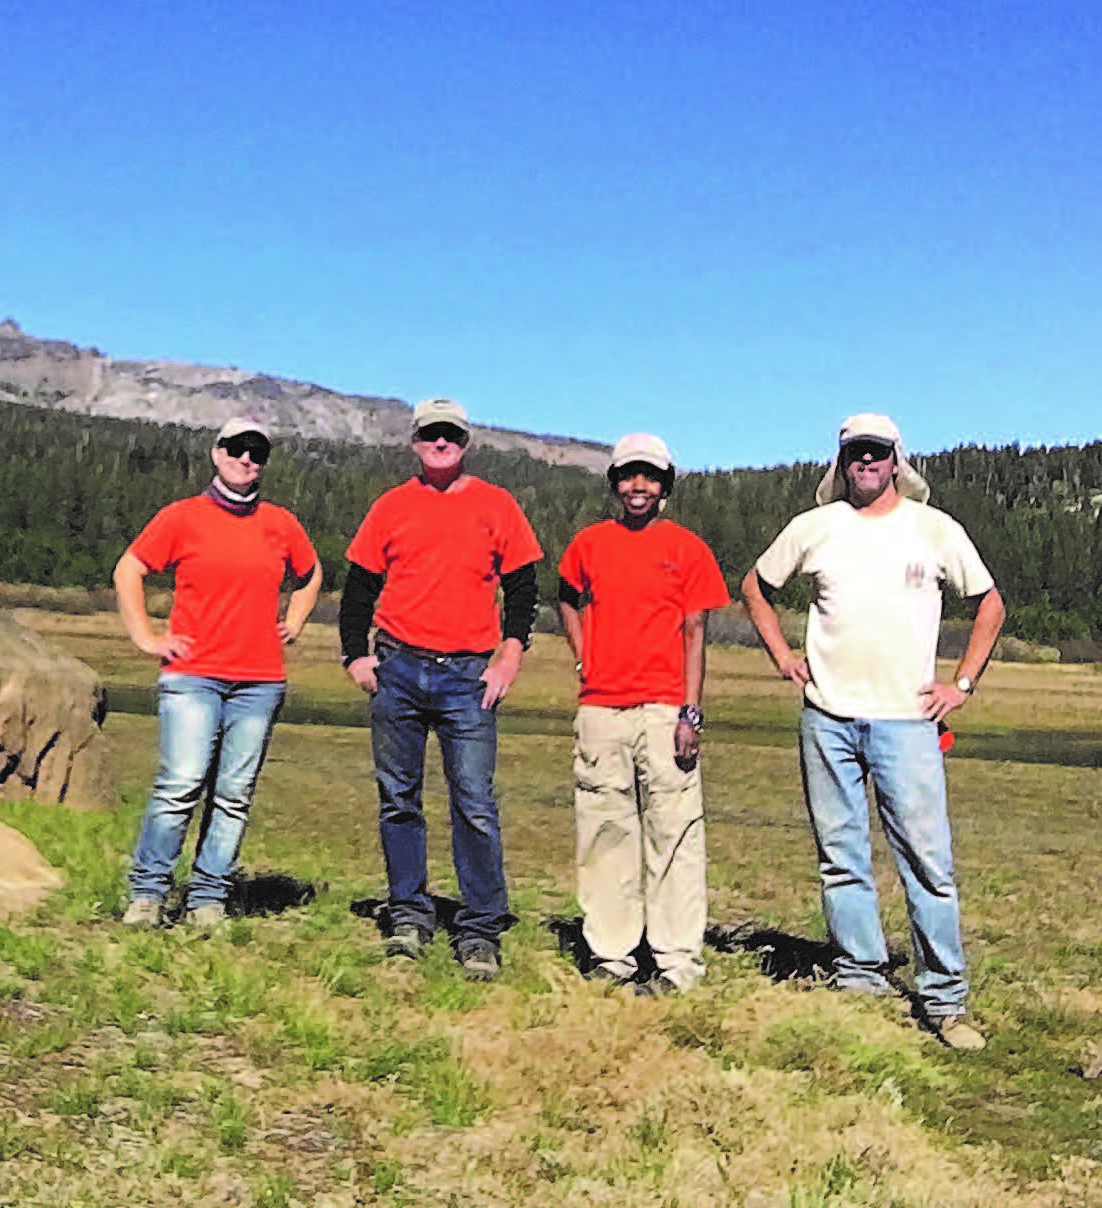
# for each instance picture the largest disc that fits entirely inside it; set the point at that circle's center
(55, 373)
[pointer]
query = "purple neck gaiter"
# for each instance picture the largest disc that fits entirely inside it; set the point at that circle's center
(231, 501)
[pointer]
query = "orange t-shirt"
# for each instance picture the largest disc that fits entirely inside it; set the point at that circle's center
(641, 586)
(443, 554)
(229, 570)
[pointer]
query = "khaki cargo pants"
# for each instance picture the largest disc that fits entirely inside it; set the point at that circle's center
(641, 861)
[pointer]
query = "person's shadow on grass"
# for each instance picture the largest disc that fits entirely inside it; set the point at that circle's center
(378, 911)
(573, 944)
(781, 955)
(785, 957)
(252, 895)
(255, 895)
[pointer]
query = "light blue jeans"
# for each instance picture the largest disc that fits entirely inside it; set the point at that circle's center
(837, 755)
(214, 735)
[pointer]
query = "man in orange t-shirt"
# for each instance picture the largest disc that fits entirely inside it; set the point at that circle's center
(426, 564)
(633, 594)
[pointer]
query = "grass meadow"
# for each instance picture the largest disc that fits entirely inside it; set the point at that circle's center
(283, 1061)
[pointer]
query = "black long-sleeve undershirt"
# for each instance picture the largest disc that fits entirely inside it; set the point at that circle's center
(362, 589)
(361, 593)
(569, 594)
(520, 596)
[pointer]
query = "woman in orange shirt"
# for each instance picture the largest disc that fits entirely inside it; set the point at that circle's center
(222, 680)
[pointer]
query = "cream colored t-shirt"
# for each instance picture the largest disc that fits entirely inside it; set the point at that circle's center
(873, 626)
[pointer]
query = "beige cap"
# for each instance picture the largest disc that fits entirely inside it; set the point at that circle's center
(238, 426)
(870, 426)
(641, 446)
(440, 411)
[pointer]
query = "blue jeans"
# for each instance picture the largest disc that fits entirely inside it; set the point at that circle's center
(837, 755)
(418, 693)
(214, 735)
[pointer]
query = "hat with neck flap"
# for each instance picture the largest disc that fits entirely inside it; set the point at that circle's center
(868, 426)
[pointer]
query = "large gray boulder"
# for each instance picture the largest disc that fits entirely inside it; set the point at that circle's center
(52, 708)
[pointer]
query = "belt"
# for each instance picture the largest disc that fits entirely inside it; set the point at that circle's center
(389, 642)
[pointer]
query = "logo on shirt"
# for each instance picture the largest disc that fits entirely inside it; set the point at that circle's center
(916, 575)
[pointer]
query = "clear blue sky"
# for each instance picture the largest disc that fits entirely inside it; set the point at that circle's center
(729, 223)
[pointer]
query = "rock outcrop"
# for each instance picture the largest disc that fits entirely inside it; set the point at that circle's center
(25, 877)
(52, 708)
(54, 373)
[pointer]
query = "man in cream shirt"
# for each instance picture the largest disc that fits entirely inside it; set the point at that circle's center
(878, 557)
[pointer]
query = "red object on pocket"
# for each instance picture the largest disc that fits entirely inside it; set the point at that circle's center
(945, 738)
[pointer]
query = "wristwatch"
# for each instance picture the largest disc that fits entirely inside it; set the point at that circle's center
(693, 716)
(966, 685)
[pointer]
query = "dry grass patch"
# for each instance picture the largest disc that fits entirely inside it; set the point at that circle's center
(602, 1107)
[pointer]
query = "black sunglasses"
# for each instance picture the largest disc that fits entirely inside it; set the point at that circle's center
(653, 473)
(252, 443)
(875, 450)
(449, 432)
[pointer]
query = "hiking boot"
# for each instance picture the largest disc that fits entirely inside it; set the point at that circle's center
(480, 960)
(405, 942)
(957, 1032)
(602, 973)
(658, 987)
(142, 912)
(206, 917)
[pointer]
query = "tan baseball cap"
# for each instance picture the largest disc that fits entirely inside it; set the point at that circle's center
(871, 426)
(440, 411)
(238, 427)
(641, 446)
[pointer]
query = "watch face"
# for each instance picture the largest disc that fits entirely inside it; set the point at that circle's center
(964, 684)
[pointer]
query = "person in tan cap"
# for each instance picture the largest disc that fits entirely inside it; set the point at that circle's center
(634, 595)
(878, 558)
(425, 567)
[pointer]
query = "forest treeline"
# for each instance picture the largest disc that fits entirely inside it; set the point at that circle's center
(74, 490)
